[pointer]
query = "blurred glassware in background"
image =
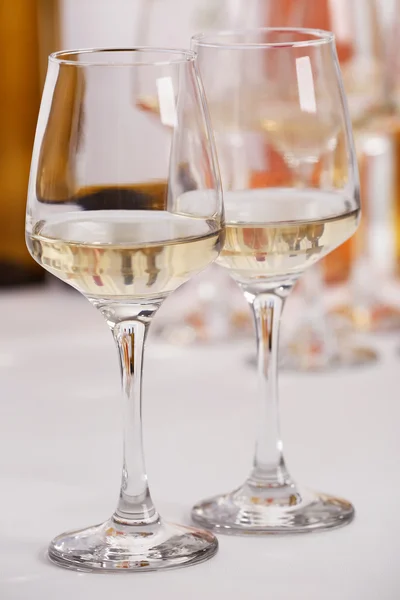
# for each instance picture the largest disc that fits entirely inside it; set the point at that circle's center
(154, 21)
(211, 305)
(323, 338)
(360, 45)
(28, 31)
(208, 308)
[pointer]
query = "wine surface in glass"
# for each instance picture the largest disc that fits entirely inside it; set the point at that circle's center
(280, 232)
(122, 253)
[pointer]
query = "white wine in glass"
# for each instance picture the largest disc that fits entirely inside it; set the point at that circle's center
(116, 254)
(274, 233)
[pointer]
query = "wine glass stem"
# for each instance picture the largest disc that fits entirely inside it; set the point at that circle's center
(129, 325)
(269, 467)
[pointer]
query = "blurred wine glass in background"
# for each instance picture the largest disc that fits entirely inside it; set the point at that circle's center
(361, 49)
(322, 341)
(211, 306)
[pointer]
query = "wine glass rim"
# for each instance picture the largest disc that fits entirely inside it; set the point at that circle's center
(215, 39)
(182, 56)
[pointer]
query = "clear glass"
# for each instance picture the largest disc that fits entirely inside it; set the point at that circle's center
(125, 211)
(280, 86)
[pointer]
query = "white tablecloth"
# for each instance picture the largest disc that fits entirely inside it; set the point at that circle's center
(60, 455)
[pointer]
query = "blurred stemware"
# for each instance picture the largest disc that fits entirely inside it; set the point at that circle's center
(359, 41)
(212, 309)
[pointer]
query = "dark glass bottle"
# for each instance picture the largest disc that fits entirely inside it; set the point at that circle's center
(26, 32)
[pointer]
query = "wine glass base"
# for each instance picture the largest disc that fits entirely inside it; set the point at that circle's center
(378, 318)
(352, 356)
(357, 356)
(112, 547)
(270, 512)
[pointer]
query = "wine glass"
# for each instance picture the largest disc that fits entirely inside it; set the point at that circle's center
(258, 82)
(125, 212)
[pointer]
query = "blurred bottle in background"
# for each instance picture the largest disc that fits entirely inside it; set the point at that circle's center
(27, 35)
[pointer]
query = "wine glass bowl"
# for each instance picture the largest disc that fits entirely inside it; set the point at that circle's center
(125, 211)
(289, 78)
(272, 246)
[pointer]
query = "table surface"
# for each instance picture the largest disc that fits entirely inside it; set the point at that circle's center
(60, 455)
